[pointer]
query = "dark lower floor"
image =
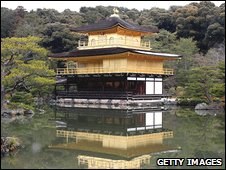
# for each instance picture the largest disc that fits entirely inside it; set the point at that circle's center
(111, 87)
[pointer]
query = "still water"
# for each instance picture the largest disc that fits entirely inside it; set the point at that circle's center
(115, 138)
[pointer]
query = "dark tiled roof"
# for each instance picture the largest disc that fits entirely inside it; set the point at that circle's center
(109, 51)
(112, 22)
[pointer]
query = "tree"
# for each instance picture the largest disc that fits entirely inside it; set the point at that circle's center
(215, 34)
(167, 42)
(58, 38)
(164, 41)
(212, 58)
(19, 14)
(31, 25)
(219, 86)
(162, 19)
(48, 15)
(201, 81)
(187, 48)
(7, 22)
(203, 21)
(91, 15)
(71, 17)
(24, 67)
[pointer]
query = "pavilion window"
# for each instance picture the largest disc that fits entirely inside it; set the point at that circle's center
(121, 40)
(111, 40)
(93, 42)
(136, 42)
(102, 39)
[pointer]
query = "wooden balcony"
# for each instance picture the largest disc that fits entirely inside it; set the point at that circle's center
(143, 45)
(102, 70)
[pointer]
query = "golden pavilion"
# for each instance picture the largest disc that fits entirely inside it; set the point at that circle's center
(112, 62)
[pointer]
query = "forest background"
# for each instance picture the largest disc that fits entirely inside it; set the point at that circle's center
(196, 31)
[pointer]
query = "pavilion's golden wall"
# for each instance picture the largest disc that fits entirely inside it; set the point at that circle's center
(114, 38)
(121, 63)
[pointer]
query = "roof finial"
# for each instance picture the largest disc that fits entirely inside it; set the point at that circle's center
(116, 12)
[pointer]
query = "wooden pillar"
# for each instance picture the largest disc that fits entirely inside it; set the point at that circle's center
(103, 83)
(67, 138)
(78, 43)
(67, 87)
(113, 82)
(55, 113)
(126, 85)
(136, 84)
(55, 92)
(67, 66)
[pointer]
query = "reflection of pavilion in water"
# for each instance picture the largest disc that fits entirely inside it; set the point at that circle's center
(129, 134)
(95, 162)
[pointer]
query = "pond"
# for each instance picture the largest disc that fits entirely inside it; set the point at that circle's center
(115, 138)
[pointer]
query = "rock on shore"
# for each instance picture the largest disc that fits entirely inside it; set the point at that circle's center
(204, 106)
(9, 145)
(8, 113)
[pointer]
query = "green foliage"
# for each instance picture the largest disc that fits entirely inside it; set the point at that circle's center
(177, 91)
(22, 48)
(31, 25)
(206, 77)
(57, 38)
(221, 71)
(186, 30)
(23, 68)
(204, 22)
(92, 15)
(215, 34)
(18, 105)
(22, 97)
(185, 112)
(187, 48)
(23, 100)
(180, 91)
(190, 102)
(164, 41)
(7, 22)
(157, 17)
(71, 64)
(219, 90)
(200, 84)
(219, 86)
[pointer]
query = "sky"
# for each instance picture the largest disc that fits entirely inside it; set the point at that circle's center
(76, 5)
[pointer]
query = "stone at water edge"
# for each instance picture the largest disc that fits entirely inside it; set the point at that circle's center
(28, 111)
(201, 106)
(8, 145)
(16, 112)
(204, 106)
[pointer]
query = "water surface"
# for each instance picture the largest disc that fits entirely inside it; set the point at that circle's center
(134, 138)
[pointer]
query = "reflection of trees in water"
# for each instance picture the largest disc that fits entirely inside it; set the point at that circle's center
(212, 136)
(197, 135)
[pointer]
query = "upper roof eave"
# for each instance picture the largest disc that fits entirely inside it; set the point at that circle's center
(110, 51)
(110, 23)
(83, 31)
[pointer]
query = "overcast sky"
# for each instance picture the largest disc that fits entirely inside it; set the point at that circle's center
(76, 5)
